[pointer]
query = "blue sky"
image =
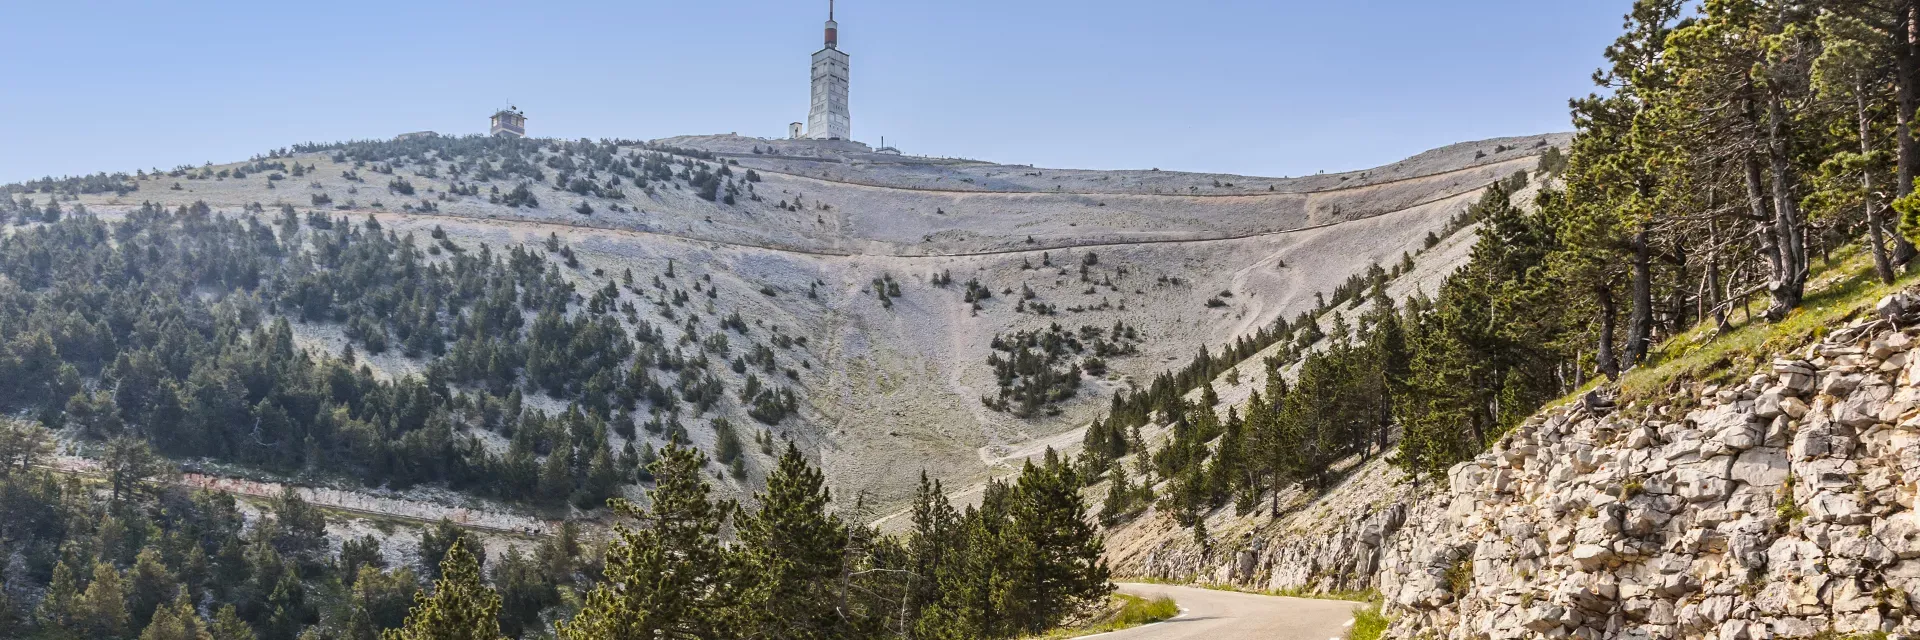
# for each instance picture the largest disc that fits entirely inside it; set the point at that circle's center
(1258, 87)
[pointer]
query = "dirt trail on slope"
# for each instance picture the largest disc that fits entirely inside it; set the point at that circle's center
(854, 181)
(352, 501)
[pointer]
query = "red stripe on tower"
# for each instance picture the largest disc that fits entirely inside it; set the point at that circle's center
(833, 28)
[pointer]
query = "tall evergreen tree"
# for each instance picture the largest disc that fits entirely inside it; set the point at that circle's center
(460, 607)
(1851, 79)
(672, 578)
(102, 608)
(227, 625)
(525, 590)
(439, 540)
(933, 545)
(1057, 570)
(379, 601)
(176, 621)
(971, 586)
(1617, 172)
(59, 608)
(1740, 77)
(151, 586)
(798, 552)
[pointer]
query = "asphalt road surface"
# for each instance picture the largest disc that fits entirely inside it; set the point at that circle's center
(1207, 614)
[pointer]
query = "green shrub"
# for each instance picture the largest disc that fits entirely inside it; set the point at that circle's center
(1139, 611)
(1460, 577)
(1368, 623)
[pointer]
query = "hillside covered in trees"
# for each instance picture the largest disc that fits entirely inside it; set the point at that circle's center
(555, 324)
(1730, 148)
(176, 327)
(129, 556)
(645, 289)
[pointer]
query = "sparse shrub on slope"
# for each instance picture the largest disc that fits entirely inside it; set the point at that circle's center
(1042, 368)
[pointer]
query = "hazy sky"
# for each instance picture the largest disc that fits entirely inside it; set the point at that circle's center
(1272, 87)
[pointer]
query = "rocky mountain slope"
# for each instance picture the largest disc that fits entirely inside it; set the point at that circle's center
(889, 385)
(1779, 504)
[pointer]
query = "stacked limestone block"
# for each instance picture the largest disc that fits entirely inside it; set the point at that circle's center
(1780, 506)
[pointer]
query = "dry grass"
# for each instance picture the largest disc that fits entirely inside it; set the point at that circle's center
(1842, 289)
(1368, 623)
(1122, 612)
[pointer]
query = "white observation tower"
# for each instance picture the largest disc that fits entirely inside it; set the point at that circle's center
(828, 119)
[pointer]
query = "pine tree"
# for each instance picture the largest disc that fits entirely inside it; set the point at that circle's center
(1484, 352)
(102, 609)
(1057, 570)
(933, 545)
(1850, 77)
(1617, 168)
(437, 541)
(129, 465)
(1119, 501)
(603, 478)
(22, 444)
(358, 553)
(525, 590)
(461, 606)
(60, 607)
(558, 555)
(176, 621)
(1740, 70)
(227, 625)
(152, 585)
(1228, 469)
(798, 552)
(379, 601)
(1391, 366)
(971, 585)
(556, 473)
(301, 527)
(288, 605)
(673, 578)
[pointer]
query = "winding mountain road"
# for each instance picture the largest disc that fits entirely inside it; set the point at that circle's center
(1206, 614)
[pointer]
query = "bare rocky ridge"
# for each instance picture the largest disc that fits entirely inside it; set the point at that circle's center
(855, 162)
(1778, 506)
(890, 391)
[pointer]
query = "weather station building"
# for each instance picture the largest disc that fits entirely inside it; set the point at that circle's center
(509, 122)
(828, 119)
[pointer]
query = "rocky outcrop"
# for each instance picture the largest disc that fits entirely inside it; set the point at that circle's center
(1319, 544)
(1780, 505)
